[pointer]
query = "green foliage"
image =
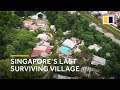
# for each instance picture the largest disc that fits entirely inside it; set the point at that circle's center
(5, 72)
(10, 49)
(61, 22)
(77, 55)
(52, 16)
(59, 33)
(89, 39)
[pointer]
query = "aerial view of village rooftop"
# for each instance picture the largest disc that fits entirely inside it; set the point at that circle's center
(79, 35)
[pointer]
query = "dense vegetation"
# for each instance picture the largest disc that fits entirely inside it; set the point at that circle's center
(14, 41)
(79, 28)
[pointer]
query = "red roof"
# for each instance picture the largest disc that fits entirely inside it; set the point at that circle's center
(36, 53)
(41, 22)
(48, 50)
(27, 23)
(84, 54)
(34, 27)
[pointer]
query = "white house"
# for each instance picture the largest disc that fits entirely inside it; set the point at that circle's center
(52, 27)
(98, 60)
(43, 36)
(69, 43)
(95, 46)
(95, 12)
(103, 12)
(34, 17)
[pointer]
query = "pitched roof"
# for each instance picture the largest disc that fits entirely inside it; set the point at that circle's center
(27, 23)
(43, 48)
(33, 27)
(48, 50)
(95, 46)
(76, 40)
(98, 60)
(39, 22)
(85, 54)
(69, 43)
(36, 53)
(43, 36)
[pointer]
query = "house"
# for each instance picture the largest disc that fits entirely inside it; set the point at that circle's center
(34, 17)
(41, 23)
(69, 43)
(49, 49)
(86, 70)
(84, 54)
(52, 27)
(43, 43)
(43, 36)
(43, 48)
(44, 54)
(103, 12)
(58, 76)
(95, 46)
(36, 53)
(98, 60)
(95, 12)
(33, 27)
(44, 51)
(77, 50)
(27, 23)
(77, 41)
(44, 16)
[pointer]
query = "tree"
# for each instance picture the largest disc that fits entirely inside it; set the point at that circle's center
(77, 55)
(5, 72)
(20, 13)
(9, 19)
(52, 16)
(61, 22)
(77, 27)
(16, 43)
(10, 49)
(105, 70)
(52, 42)
(107, 47)
(99, 38)
(85, 24)
(89, 39)
(15, 21)
(59, 33)
(115, 66)
(71, 20)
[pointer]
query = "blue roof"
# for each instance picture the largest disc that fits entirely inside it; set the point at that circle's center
(65, 50)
